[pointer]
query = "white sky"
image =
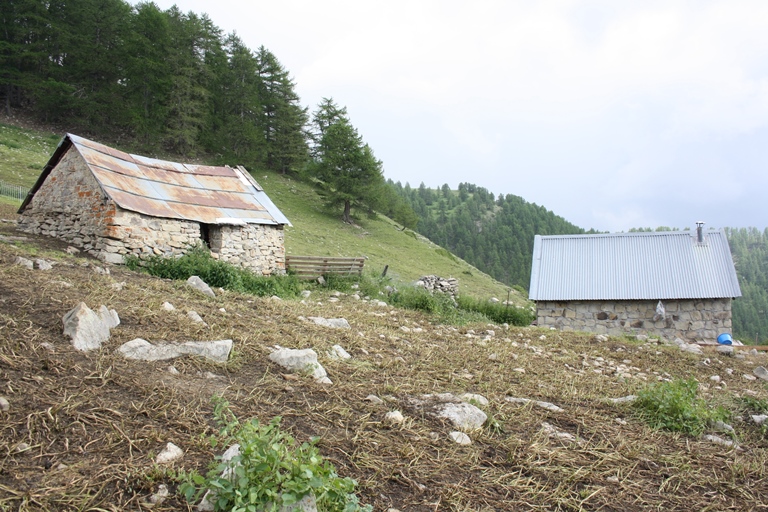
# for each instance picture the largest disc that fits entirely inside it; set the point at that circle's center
(611, 114)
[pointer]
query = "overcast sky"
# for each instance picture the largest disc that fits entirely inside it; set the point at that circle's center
(611, 114)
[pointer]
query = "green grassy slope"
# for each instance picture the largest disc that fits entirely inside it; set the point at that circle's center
(23, 153)
(314, 231)
(318, 232)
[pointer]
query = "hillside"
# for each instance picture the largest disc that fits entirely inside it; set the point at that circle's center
(81, 431)
(314, 231)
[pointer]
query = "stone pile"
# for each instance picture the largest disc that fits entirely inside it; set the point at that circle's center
(448, 285)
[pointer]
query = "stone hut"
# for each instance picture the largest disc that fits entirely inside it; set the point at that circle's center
(113, 204)
(673, 284)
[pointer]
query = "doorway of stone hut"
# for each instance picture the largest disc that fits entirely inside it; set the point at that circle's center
(210, 235)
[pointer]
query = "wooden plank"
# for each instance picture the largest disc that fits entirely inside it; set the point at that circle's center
(310, 267)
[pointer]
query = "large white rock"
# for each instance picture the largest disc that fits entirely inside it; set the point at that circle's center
(462, 415)
(335, 323)
(143, 350)
(299, 360)
(88, 330)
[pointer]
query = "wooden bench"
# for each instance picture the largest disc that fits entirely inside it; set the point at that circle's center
(312, 267)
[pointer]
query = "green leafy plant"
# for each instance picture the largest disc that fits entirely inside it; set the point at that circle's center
(675, 406)
(198, 262)
(497, 312)
(272, 470)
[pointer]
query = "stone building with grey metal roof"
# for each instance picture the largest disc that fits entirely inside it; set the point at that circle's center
(113, 204)
(674, 284)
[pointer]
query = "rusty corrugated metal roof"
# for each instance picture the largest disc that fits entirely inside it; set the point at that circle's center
(623, 266)
(200, 193)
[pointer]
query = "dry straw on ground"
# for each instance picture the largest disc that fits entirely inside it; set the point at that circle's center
(82, 430)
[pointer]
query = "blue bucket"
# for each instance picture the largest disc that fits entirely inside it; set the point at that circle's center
(725, 339)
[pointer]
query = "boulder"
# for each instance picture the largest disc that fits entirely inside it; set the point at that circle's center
(88, 330)
(142, 350)
(300, 361)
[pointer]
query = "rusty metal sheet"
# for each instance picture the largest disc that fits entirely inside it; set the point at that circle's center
(158, 188)
(147, 206)
(116, 153)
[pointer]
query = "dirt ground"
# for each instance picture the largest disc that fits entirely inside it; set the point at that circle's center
(83, 429)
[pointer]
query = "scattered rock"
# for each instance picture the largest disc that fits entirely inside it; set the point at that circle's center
(198, 284)
(42, 264)
(335, 323)
(462, 415)
(759, 419)
(72, 250)
(374, 399)
(544, 405)
(691, 348)
(169, 454)
(748, 377)
(761, 373)
(22, 447)
(337, 352)
(172, 370)
(88, 330)
(143, 350)
(554, 433)
(24, 262)
(612, 479)
(601, 338)
(101, 270)
(394, 418)
(719, 440)
(118, 287)
(722, 426)
(305, 294)
(300, 361)
(715, 378)
(725, 350)
(624, 399)
(4, 404)
(167, 306)
(196, 318)
(473, 397)
(460, 438)
(160, 496)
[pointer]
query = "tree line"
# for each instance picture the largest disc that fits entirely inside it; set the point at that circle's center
(173, 82)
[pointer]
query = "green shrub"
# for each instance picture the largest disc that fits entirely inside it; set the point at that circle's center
(675, 406)
(497, 312)
(271, 471)
(218, 274)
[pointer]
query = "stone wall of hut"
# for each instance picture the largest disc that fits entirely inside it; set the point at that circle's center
(700, 320)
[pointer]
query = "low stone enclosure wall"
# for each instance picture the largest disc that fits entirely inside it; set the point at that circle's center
(448, 285)
(692, 320)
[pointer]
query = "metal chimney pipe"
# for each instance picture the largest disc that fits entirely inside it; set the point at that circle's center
(700, 231)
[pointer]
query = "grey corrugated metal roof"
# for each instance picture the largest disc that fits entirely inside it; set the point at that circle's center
(660, 265)
(200, 193)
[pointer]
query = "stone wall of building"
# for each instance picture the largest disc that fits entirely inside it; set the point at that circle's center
(700, 320)
(260, 248)
(70, 205)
